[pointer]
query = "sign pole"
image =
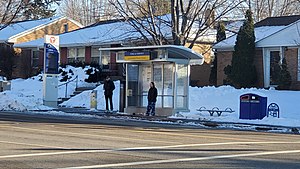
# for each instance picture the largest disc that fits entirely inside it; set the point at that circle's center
(50, 78)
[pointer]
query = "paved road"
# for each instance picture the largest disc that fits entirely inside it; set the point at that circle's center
(35, 141)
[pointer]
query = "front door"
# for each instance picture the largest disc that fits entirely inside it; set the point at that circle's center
(272, 60)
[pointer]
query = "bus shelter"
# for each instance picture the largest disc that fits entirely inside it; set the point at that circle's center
(167, 66)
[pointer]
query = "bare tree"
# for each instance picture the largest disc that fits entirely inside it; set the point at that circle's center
(187, 21)
(16, 10)
(271, 8)
(87, 11)
(9, 11)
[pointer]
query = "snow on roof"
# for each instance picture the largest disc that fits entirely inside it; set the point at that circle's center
(111, 32)
(95, 35)
(260, 33)
(234, 26)
(20, 27)
(105, 33)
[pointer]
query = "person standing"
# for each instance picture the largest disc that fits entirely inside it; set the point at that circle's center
(152, 95)
(108, 88)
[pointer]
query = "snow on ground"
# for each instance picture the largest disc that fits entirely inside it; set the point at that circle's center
(227, 96)
(83, 99)
(26, 95)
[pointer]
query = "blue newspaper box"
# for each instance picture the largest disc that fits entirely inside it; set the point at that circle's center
(253, 106)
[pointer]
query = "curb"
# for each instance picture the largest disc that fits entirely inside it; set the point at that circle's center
(190, 122)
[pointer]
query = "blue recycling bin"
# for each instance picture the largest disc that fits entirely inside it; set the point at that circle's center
(253, 106)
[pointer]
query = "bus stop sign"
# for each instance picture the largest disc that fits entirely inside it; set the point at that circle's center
(51, 54)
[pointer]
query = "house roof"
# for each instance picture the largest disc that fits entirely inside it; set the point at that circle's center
(111, 32)
(264, 29)
(260, 33)
(99, 34)
(20, 28)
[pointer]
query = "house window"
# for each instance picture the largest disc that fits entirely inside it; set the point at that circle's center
(105, 57)
(66, 27)
(95, 55)
(35, 58)
(76, 55)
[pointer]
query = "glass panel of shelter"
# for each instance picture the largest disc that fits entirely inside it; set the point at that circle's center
(168, 88)
(145, 79)
(163, 76)
(132, 83)
(182, 82)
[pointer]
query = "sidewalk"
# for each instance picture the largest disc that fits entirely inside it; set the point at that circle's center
(182, 121)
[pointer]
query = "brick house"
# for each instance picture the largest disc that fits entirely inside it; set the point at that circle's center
(83, 45)
(276, 38)
(24, 31)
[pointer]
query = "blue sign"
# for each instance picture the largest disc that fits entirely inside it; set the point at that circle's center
(51, 58)
(273, 110)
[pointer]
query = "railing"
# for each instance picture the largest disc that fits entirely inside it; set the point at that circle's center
(66, 83)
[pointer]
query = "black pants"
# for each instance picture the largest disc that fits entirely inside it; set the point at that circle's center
(109, 97)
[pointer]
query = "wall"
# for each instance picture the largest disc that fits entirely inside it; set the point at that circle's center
(52, 29)
(258, 61)
(88, 54)
(200, 73)
(22, 62)
(63, 55)
(224, 59)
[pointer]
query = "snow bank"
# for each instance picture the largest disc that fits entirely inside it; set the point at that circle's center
(27, 94)
(24, 95)
(227, 96)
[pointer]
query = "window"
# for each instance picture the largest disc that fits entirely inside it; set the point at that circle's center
(76, 54)
(35, 58)
(95, 55)
(66, 27)
(105, 57)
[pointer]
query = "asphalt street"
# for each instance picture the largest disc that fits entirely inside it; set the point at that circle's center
(39, 141)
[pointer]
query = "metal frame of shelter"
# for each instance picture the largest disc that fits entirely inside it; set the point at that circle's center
(168, 66)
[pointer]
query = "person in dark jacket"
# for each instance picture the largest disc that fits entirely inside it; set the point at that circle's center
(152, 95)
(108, 88)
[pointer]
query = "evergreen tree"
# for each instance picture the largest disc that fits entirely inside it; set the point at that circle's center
(221, 35)
(242, 72)
(284, 77)
(6, 60)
